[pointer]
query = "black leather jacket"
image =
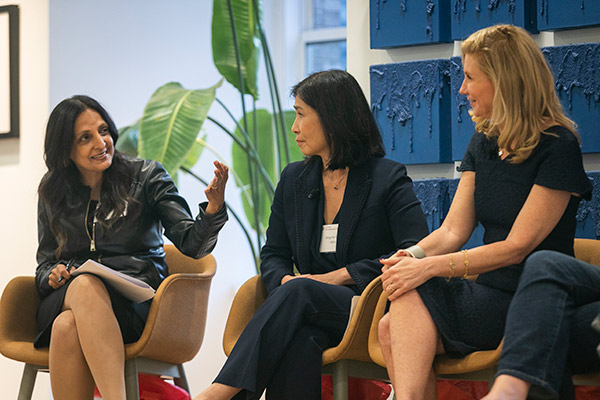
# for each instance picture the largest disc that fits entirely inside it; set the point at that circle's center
(136, 248)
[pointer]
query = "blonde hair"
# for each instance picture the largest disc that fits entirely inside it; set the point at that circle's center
(525, 101)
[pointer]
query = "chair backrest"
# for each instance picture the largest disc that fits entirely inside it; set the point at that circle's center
(587, 250)
(179, 263)
(250, 296)
(176, 322)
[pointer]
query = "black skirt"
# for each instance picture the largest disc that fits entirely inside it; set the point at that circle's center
(468, 315)
(131, 316)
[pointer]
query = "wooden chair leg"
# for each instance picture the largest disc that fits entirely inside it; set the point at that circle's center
(340, 380)
(181, 381)
(27, 382)
(132, 390)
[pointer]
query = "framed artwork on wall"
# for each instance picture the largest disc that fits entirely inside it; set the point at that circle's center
(9, 71)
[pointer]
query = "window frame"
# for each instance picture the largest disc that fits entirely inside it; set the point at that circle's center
(309, 35)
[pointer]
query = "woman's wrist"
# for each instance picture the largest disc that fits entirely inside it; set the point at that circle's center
(415, 251)
(212, 209)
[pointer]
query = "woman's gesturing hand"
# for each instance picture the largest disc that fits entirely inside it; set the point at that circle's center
(215, 191)
(402, 273)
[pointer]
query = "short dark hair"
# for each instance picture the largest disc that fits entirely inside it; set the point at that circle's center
(347, 120)
(62, 172)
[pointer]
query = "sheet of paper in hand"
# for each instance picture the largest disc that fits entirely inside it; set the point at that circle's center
(132, 288)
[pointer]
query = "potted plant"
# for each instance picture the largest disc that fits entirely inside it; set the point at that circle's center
(262, 141)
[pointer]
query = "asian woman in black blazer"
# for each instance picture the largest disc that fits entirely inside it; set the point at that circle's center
(333, 217)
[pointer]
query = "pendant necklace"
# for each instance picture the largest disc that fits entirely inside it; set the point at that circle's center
(336, 184)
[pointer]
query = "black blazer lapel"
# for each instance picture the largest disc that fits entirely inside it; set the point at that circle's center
(307, 190)
(357, 191)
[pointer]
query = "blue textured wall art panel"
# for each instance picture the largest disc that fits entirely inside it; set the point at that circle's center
(433, 194)
(588, 213)
(437, 194)
(408, 22)
(410, 102)
(564, 14)
(576, 70)
(462, 125)
(469, 16)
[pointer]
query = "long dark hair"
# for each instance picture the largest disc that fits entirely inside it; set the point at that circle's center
(349, 127)
(63, 176)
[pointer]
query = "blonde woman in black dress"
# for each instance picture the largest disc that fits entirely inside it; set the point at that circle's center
(522, 179)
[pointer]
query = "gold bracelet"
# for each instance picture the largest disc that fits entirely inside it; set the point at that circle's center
(452, 268)
(467, 263)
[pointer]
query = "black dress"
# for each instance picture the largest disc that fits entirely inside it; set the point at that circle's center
(469, 315)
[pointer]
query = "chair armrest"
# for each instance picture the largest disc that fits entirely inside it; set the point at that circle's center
(175, 327)
(247, 300)
(354, 344)
(18, 308)
(374, 347)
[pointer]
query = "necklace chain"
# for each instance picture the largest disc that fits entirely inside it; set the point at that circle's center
(334, 183)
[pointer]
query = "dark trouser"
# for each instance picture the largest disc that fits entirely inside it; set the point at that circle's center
(281, 348)
(548, 334)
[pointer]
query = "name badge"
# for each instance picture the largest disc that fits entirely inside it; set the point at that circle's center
(329, 238)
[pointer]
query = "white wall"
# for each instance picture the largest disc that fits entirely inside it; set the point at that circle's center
(121, 53)
(360, 56)
(21, 167)
(118, 52)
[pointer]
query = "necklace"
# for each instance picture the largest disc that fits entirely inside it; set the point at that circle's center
(336, 184)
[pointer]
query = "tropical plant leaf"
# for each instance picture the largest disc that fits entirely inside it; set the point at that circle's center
(172, 119)
(128, 139)
(194, 153)
(224, 54)
(264, 141)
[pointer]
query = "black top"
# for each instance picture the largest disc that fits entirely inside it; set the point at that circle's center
(501, 188)
(379, 214)
(136, 248)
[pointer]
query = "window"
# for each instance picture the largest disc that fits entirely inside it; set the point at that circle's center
(324, 36)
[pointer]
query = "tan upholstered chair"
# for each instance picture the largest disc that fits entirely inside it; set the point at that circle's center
(349, 358)
(172, 335)
(481, 365)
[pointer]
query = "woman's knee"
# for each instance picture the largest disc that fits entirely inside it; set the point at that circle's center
(86, 289)
(64, 330)
(384, 331)
(547, 265)
(297, 288)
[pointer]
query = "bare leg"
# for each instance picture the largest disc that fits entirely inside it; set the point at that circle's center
(99, 334)
(414, 342)
(70, 377)
(386, 344)
(431, 388)
(508, 387)
(218, 391)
